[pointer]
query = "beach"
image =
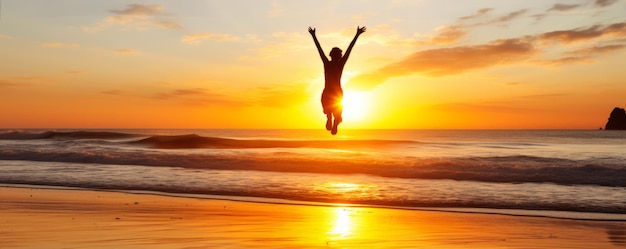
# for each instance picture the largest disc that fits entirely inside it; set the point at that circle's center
(71, 218)
(242, 124)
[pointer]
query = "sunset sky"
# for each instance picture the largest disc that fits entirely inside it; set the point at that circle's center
(423, 64)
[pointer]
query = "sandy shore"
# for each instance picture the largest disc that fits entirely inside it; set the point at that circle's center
(52, 218)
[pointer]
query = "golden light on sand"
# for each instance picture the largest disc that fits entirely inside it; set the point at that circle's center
(356, 105)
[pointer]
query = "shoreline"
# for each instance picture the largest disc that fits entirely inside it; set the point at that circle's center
(566, 215)
(39, 217)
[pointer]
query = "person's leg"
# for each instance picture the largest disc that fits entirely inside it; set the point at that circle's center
(327, 107)
(337, 120)
(329, 121)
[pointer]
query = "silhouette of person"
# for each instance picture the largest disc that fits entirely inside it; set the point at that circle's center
(333, 68)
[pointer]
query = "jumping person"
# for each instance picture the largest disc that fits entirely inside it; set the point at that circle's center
(333, 94)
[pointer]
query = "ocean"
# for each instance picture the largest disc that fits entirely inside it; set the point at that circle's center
(577, 174)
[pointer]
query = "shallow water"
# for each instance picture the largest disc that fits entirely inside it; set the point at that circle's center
(582, 171)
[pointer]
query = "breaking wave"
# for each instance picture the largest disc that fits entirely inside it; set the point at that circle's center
(195, 141)
(21, 135)
(190, 141)
(514, 169)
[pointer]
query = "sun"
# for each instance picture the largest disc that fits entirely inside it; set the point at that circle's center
(356, 105)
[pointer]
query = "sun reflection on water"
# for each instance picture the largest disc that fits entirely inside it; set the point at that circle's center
(343, 223)
(342, 187)
(346, 192)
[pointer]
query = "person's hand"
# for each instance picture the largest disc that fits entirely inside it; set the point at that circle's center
(311, 31)
(360, 30)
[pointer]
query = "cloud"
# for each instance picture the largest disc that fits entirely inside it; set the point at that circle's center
(448, 35)
(182, 93)
(200, 97)
(60, 45)
(604, 3)
(165, 24)
(19, 81)
(480, 13)
(479, 107)
(138, 10)
(38, 80)
(274, 96)
(583, 55)
(508, 105)
(539, 16)
(563, 7)
(509, 17)
(197, 38)
(542, 96)
(454, 60)
(593, 32)
(451, 34)
(277, 10)
(126, 51)
(564, 60)
(597, 49)
(279, 96)
(6, 84)
(138, 16)
(466, 21)
(449, 61)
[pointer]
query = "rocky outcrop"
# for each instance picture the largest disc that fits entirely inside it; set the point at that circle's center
(617, 120)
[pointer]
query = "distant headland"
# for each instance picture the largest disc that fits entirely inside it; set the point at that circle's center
(617, 120)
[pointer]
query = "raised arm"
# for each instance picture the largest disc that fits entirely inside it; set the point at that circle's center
(317, 44)
(359, 31)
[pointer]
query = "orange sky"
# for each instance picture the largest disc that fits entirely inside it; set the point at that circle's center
(421, 64)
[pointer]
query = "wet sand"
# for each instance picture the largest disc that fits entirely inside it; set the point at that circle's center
(53, 218)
